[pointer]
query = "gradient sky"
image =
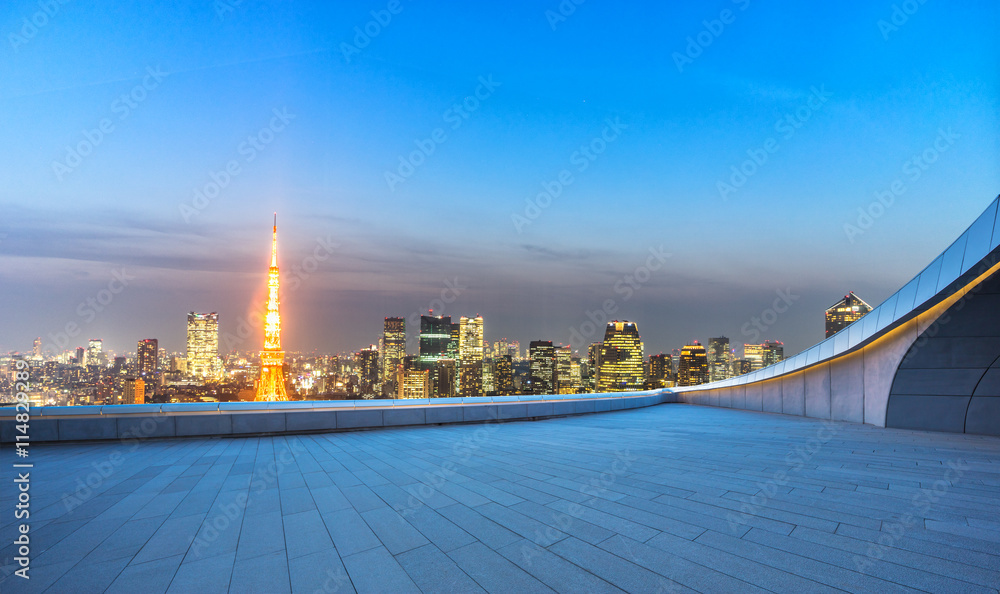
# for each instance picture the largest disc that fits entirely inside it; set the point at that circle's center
(891, 90)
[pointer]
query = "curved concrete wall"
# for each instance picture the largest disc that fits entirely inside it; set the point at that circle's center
(152, 421)
(850, 376)
(949, 379)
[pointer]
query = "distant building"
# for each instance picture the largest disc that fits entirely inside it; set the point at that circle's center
(564, 370)
(755, 354)
(660, 372)
(146, 354)
(435, 340)
(393, 348)
(446, 384)
(413, 383)
(470, 356)
(368, 370)
(203, 345)
(504, 375)
(772, 352)
(95, 353)
(81, 356)
(36, 348)
(693, 367)
(134, 391)
(621, 366)
(846, 311)
(719, 359)
(543, 360)
(742, 366)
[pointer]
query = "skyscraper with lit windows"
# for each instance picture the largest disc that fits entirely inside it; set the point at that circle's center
(693, 367)
(470, 356)
(542, 367)
(621, 367)
(845, 312)
(203, 345)
(393, 348)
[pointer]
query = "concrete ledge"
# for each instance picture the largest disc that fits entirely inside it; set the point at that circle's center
(201, 425)
(250, 418)
(262, 422)
(87, 429)
(480, 413)
(359, 419)
(403, 416)
(443, 414)
(311, 421)
(139, 427)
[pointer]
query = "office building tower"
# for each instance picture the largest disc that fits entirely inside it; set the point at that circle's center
(661, 371)
(81, 356)
(504, 375)
(435, 344)
(36, 348)
(755, 354)
(146, 355)
(393, 348)
(772, 352)
(693, 367)
(413, 383)
(134, 391)
(95, 353)
(470, 356)
(564, 365)
(841, 314)
(444, 379)
(621, 365)
(203, 345)
(719, 359)
(542, 370)
(742, 366)
(368, 371)
(489, 376)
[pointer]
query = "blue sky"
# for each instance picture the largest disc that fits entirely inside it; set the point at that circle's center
(889, 94)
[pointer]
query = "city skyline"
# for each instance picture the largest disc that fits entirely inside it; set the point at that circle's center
(323, 139)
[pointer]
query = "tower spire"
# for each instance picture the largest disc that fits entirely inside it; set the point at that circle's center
(271, 385)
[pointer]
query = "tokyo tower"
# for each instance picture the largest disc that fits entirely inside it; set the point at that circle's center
(271, 385)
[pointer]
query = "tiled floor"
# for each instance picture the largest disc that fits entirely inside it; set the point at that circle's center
(672, 498)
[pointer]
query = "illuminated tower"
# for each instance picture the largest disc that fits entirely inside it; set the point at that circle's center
(271, 385)
(621, 367)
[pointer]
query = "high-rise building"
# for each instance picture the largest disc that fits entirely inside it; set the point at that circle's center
(621, 367)
(693, 367)
(470, 356)
(203, 345)
(368, 371)
(271, 383)
(446, 383)
(393, 347)
(134, 391)
(742, 366)
(842, 313)
(146, 354)
(719, 359)
(435, 345)
(504, 375)
(661, 371)
(95, 353)
(564, 370)
(36, 348)
(772, 352)
(413, 383)
(543, 359)
(81, 356)
(594, 364)
(755, 354)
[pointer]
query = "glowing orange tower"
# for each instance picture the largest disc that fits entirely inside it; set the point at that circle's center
(271, 385)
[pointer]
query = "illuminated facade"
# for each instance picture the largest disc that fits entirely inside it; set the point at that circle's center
(772, 352)
(504, 375)
(203, 345)
(621, 366)
(470, 356)
(413, 383)
(368, 370)
(564, 370)
(692, 369)
(393, 347)
(720, 359)
(661, 371)
(849, 309)
(435, 344)
(271, 384)
(754, 353)
(145, 357)
(95, 352)
(542, 369)
(134, 391)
